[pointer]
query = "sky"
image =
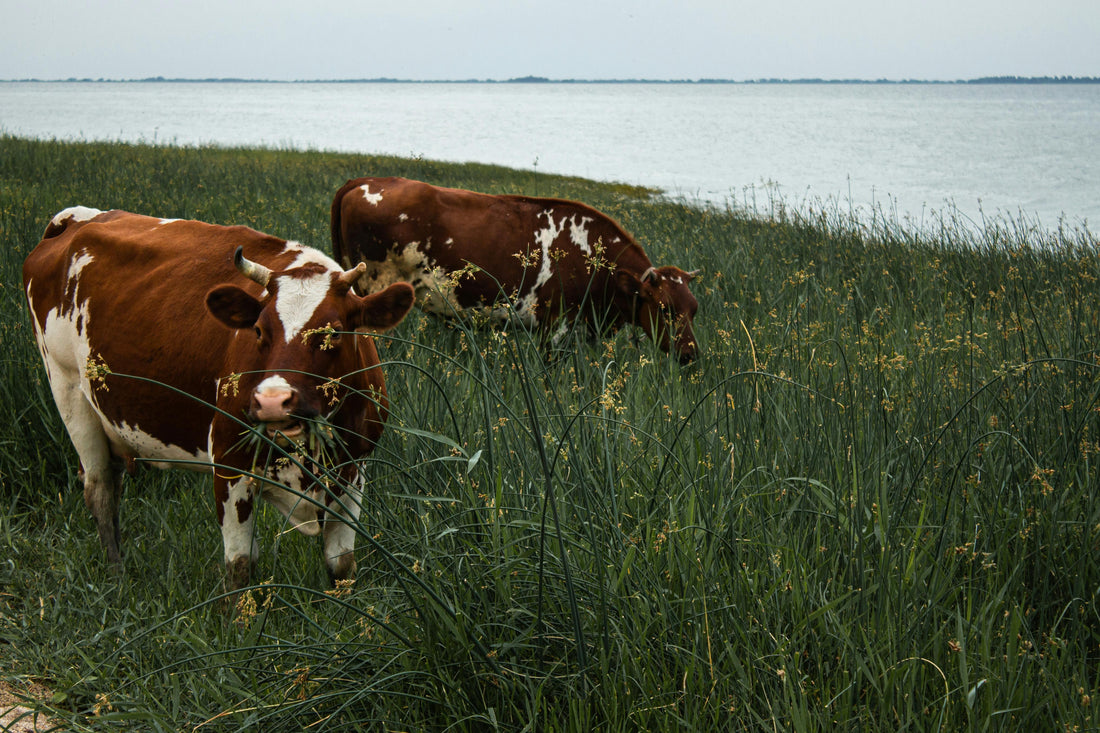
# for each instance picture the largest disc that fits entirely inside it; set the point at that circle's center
(557, 39)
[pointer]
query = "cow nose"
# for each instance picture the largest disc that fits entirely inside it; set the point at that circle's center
(687, 352)
(274, 399)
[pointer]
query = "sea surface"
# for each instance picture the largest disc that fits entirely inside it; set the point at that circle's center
(911, 152)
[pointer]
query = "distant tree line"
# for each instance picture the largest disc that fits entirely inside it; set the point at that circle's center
(1035, 80)
(547, 80)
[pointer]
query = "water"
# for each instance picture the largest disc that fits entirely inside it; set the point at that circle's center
(978, 150)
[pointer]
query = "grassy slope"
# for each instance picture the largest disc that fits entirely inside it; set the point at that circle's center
(870, 504)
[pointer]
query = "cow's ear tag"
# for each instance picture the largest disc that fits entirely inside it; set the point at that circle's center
(233, 306)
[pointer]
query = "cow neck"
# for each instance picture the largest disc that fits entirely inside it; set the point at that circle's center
(632, 258)
(628, 255)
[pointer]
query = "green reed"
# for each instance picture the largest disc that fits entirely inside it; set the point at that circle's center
(870, 504)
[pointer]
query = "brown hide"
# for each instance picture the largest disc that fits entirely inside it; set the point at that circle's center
(549, 257)
(140, 320)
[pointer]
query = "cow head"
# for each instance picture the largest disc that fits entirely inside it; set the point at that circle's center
(660, 302)
(294, 338)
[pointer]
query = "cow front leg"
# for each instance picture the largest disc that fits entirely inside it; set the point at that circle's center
(235, 499)
(341, 523)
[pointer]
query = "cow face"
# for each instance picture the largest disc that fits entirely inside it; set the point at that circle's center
(295, 356)
(294, 341)
(663, 306)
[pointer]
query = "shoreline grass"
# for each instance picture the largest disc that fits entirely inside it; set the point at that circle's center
(870, 504)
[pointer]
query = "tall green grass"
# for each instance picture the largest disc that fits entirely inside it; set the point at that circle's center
(869, 505)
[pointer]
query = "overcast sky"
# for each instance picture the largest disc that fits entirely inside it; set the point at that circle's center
(581, 39)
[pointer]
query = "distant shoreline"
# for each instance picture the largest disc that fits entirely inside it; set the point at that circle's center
(545, 80)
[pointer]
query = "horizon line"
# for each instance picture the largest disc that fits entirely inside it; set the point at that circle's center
(1004, 79)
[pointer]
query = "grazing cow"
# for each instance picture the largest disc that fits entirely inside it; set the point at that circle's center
(165, 340)
(552, 258)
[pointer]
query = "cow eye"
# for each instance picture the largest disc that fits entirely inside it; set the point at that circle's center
(325, 338)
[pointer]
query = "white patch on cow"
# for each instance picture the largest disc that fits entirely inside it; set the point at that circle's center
(544, 238)
(340, 524)
(62, 338)
(401, 216)
(560, 333)
(434, 289)
(131, 440)
(76, 213)
(372, 198)
(578, 233)
(65, 352)
(81, 260)
(238, 538)
(298, 506)
(168, 221)
(309, 256)
(298, 298)
(273, 384)
(404, 265)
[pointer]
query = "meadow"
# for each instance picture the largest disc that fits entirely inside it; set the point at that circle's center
(871, 503)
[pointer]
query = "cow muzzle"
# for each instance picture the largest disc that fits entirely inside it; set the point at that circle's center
(685, 346)
(275, 404)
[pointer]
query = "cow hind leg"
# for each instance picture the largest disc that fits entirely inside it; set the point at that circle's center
(102, 479)
(102, 493)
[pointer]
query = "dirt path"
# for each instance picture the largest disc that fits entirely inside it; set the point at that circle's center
(16, 718)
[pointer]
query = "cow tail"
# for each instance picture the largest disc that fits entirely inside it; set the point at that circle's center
(54, 229)
(338, 251)
(67, 218)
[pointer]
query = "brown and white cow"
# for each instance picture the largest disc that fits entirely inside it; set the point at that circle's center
(163, 342)
(550, 258)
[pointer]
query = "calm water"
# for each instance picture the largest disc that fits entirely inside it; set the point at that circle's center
(1031, 150)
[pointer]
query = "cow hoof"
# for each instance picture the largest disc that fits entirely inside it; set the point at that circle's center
(238, 573)
(341, 570)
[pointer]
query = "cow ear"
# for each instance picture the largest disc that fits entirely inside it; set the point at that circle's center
(233, 306)
(627, 282)
(385, 309)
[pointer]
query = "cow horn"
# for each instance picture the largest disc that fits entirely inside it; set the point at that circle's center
(348, 278)
(650, 271)
(252, 270)
(694, 274)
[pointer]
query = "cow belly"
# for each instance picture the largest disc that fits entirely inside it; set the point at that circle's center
(131, 442)
(435, 288)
